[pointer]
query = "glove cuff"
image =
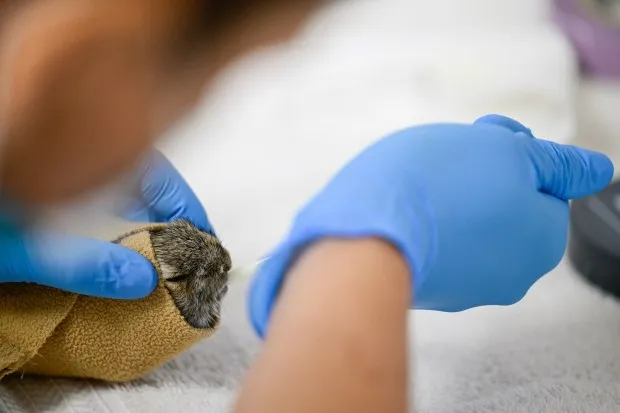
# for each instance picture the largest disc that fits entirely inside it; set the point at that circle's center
(407, 224)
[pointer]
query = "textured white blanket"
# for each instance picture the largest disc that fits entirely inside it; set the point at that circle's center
(557, 351)
(267, 139)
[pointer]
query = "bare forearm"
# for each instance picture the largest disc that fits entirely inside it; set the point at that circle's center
(337, 337)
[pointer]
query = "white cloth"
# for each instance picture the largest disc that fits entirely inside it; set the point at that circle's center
(557, 351)
(267, 139)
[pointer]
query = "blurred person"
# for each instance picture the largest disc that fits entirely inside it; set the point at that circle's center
(442, 217)
(87, 86)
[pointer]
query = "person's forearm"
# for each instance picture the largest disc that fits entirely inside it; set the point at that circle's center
(337, 337)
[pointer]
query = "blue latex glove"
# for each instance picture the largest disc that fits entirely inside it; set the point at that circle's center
(480, 212)
(92, 267)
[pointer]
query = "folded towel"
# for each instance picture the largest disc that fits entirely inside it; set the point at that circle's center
(45, 331)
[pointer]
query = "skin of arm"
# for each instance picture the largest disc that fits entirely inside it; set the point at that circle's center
(337, 339)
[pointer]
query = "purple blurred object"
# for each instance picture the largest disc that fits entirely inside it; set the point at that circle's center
(593, 32)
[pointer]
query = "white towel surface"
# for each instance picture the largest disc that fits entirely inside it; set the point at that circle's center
(268, 138)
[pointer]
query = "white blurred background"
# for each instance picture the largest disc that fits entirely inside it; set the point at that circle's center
(283, 119)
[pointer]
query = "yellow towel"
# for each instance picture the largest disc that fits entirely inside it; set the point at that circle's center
(45, 331)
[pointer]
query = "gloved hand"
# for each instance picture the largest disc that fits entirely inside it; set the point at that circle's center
(92, 267)
(480, 212)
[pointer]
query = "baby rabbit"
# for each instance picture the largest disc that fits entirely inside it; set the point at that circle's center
(195, 267)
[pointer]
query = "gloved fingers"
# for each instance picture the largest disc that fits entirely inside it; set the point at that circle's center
(506, 122)
(138, 211)
(563, 171)
(164, 195)
(569, 172)
(75, 264)
(550, 245)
